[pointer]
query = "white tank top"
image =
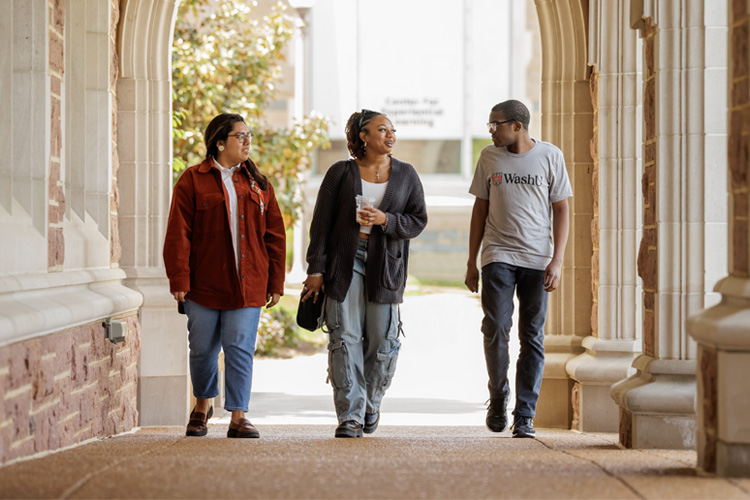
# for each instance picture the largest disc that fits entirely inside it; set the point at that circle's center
(377, 193)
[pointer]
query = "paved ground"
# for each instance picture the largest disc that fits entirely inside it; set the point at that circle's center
(293, 461)
(431, 443)
(440, 378)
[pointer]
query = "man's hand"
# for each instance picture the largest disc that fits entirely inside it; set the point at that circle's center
(472, 278)
(560, 228)
(476, 233)
(179, 296)
(552, 276)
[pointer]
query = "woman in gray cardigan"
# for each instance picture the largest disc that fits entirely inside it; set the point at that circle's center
(359, 259)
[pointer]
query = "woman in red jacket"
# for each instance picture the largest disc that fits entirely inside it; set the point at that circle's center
(224, 252)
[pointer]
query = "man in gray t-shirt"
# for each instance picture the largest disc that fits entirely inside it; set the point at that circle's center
(520, 220)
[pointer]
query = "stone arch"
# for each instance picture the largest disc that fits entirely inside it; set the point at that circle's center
(145, 182)
(567, 121)
(143, 133)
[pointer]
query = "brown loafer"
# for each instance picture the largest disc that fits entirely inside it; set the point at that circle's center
(244, 429)
(197, 424)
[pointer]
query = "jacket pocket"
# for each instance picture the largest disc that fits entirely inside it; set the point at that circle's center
(394, 266)
(208, 201)
(209, 213)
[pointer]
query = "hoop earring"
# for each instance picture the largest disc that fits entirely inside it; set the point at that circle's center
(221, 148)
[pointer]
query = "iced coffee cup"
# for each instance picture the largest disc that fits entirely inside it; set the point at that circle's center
(362, 203)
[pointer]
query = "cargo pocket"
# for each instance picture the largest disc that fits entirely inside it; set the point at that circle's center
(338, 365)
(329, 320)
(387, 361)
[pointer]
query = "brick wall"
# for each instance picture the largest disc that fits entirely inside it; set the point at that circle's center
(709, 374)
(70, 386)
(65, 388)
(55, 239)
(115, 248)
(739, 139)
(647, 257)
(595, 282)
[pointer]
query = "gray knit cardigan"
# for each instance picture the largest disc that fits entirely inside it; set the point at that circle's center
(334, 233)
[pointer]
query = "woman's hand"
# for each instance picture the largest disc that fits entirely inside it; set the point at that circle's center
(313, 285)
(179, 296)
(272, 299)
(372, 216)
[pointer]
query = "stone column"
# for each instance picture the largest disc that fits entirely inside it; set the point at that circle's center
(723, 331)
(616, 150)
(567, 122)
(145, 182)
(301, 48)
(680, 254)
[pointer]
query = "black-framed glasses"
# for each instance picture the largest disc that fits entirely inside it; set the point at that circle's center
(242, 137)
(362, 115)
(492, 126)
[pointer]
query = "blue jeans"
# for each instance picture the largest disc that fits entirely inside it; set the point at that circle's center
(499, 282)
(235, 331)
(363, 347)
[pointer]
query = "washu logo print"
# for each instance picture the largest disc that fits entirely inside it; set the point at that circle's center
(498, 178)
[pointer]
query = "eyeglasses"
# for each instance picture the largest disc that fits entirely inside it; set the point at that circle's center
(492, 126)
(242, 137)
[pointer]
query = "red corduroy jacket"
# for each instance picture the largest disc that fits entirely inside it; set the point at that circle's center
(198, 251)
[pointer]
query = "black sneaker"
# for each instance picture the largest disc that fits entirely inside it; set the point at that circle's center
(523, 427)
(349, 429)
(497, 418)
(371, 422)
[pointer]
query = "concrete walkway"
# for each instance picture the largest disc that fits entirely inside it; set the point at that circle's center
(431, 442)
(293, 461)
(440, 378)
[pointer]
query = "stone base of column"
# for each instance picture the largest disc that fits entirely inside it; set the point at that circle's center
(164, 381)
(604, 363)
(554, 408)
(723, 336)
(657, 404)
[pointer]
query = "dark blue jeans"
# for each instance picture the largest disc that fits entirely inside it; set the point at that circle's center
(499, 282)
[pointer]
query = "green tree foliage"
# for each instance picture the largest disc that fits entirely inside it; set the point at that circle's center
(277, 328)
(226, 60)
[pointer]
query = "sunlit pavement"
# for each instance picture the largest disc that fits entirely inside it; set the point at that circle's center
(440, 379)
(431, 443)
(305, 461)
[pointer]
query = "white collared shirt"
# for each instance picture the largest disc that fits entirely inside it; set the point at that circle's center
(226, 176)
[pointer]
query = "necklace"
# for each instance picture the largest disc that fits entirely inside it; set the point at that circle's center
(377, 170)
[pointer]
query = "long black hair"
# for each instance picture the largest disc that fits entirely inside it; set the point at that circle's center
(218, 130)
(354, 126)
